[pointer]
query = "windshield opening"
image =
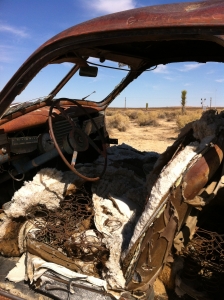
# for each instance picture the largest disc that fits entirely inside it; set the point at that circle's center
(78, 87)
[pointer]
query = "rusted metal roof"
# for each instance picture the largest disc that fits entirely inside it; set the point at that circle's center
(181, 14)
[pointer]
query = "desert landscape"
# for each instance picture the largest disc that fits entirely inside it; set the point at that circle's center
(148, 138)
(153, 129)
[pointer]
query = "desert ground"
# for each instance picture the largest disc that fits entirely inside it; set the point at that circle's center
(157, 136)
(148, 138)
(153, 129)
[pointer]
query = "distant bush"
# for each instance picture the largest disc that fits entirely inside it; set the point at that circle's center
(111, 112)
(171, 115)
(168, 115)
(120, 118)
(119, 121)
(162, 115)
(132, 113)
(182, 120)
(147, 118)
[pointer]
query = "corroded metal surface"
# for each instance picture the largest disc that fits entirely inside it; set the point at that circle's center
(202, 171)
(70, 234)
(36, 115)
(35, 118)
(204, 264)
(152, 249)
(181, 14)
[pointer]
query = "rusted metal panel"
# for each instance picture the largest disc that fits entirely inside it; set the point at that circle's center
(35, 118)
(181, 14)
(158, 238)
(154, 250)
(89, 106)
(24, 119)
(201, 172)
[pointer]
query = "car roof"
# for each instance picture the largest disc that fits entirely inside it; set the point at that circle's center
(140, 38)
(170, 15)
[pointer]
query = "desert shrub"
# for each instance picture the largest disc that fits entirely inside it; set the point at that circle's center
(162, 115)
(132, 113)
(147, 118)
(111, 112)
(119, 121)
(182, 120)
(172, 115)
(169, 115)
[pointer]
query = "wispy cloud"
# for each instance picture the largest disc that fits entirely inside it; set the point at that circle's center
(169, 78)
(210, 72)
(156, 87)
(220, 80)
(190, 67)
(15, 31)
(5, 53)
(110, 6)
(161, 69)
(187, 84)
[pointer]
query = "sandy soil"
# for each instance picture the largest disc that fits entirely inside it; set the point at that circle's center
(148, 138)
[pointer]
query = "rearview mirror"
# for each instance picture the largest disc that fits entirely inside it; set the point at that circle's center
(88, 71)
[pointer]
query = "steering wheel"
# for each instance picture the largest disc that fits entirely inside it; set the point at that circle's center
(79, 140)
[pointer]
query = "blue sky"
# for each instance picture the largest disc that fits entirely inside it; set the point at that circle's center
(26, 24)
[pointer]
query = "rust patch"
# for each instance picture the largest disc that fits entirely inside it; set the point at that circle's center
(201, 172)
(192, 7)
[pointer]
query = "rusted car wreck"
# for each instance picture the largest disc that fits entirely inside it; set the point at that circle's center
(87, 218)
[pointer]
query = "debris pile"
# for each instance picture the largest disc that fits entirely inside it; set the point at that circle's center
(76, 226)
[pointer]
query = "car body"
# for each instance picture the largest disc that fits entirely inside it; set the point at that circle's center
(67, 133)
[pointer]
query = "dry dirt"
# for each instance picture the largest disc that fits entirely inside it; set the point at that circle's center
(148, 138)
